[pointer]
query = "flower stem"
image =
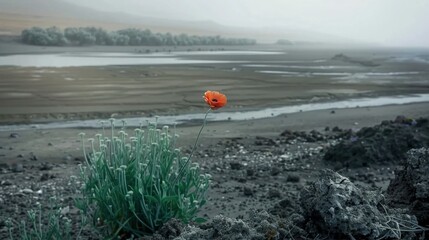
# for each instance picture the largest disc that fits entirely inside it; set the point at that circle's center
(198, 137)
(195, 144)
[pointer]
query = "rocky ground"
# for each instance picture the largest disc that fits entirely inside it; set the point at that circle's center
(273, 187)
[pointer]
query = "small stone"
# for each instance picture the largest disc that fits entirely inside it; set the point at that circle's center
(27, 190)
(4, 166)
(235, 165)
(333, 112)
(250, 172)
(67, 158)
(44, 177)
(275, 171)
(17, 167)
(273, 193)
(14, 135)
(247, 191)
(50, 144)
(336, 129)
(33, 157)
(20, 155)
(65, 210)
(45, 166)
(293, 178)
(6, 183)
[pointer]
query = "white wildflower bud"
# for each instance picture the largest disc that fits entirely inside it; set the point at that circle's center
(123, 167)
(98, 135)
(90, 140)
(165, 128)
(111, 120)
(196, 165)
(82, 134)
(176, 135)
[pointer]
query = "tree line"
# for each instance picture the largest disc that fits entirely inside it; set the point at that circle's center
(54, 36)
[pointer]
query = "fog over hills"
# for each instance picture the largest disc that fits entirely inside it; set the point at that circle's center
(19, 14)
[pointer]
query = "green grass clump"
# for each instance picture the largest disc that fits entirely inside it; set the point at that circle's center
(43, 224)
(133, 185)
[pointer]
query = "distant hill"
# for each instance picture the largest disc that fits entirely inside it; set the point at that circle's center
(16, 15)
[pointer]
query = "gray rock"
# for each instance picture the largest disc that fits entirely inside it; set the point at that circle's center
(335, 206)
(222, 228)
(236, 165)
(247, 191)
(65, 211)
(410, 188)
(27, 190)
(14, 135)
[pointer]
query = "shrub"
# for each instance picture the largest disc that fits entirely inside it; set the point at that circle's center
(133, 185)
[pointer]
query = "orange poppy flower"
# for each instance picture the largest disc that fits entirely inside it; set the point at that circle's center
(215, 99)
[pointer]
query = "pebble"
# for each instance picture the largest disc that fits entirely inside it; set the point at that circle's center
(235, 165)
(14, 135)
(65, 210)
(17, 167)
(45, 166)
(293, 178)
(247, 191)
(27, 190)
(33, 157)
(273, 193)
(5, 183)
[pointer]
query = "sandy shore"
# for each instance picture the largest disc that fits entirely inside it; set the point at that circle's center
(65, 141)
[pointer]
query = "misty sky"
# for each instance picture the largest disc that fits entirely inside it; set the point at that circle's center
(390, 22)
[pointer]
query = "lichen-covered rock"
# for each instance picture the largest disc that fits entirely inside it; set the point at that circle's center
(169, 230)
(259, 225)
(384, 143)
(410, 188)
(221, 228)
(334, 206)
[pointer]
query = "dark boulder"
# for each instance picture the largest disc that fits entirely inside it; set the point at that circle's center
(410, 188)
(386, 143)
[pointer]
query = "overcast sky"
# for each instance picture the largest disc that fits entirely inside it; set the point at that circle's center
(391, 22)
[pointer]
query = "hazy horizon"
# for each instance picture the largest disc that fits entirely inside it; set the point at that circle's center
(387, 22)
